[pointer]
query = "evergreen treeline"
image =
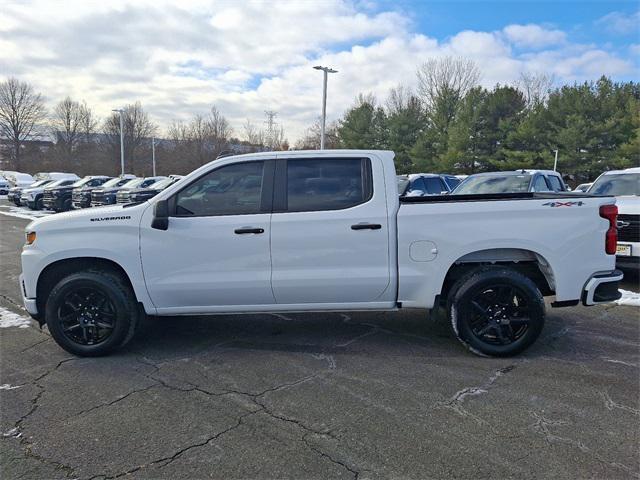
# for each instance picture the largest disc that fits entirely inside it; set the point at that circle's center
(595, 126)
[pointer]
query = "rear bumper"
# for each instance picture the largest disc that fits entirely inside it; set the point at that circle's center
(602, 288)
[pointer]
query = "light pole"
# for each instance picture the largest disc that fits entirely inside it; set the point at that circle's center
(153, 155)
(120, 111)
(326, 71)
(555, 162)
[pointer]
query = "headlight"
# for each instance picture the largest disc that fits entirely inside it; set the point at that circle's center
(30, 238)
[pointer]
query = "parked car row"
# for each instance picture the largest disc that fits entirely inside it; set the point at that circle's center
(66, 191)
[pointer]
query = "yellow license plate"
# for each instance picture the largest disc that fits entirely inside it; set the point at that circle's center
(623, 250)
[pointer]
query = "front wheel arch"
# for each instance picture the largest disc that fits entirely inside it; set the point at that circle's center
(53, 272)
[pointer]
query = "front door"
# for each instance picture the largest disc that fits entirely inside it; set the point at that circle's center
(329, 231)
(215, 252)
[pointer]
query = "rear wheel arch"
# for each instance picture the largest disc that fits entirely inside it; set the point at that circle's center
(527, 262)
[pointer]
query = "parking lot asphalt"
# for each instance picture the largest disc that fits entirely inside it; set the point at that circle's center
(358, 395)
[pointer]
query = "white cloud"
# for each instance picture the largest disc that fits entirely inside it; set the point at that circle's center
(621, 23)
(179, 59)
(533, 36)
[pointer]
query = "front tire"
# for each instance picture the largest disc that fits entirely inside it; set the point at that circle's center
(92, 313)
(496, 312)
(38, 204)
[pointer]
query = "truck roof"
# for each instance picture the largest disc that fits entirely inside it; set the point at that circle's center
(315, 153)
(625, 171)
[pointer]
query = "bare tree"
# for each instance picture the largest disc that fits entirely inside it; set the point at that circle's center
(72, 122)
(536, 87)
(252, 134)
(138, 129)
(311, 138)
(442, 85)
(200, 140)
(446, 77)
(219, 131)
(21, 109)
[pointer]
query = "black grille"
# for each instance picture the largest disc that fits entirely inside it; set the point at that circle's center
(97, 198)
(630, 232)
(48, 195)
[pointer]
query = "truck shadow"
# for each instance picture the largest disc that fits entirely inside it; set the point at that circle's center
(414, 333)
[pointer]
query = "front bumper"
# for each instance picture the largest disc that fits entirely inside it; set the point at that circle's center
(52, 203)
(602, 288)
(29, 303)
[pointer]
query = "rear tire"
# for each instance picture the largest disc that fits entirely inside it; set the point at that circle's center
(92, 313)
(496, 311)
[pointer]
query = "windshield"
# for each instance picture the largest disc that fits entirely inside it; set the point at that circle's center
(133, 183)
(163, 183)
(402, 184)
(113, 182)
(39, 183)
(81, 182)
(494, 184)
(58, 183)
(617, 184)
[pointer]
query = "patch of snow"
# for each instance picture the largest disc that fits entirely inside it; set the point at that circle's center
(14, 432)
(25, 213)
(629, 298)
(6, 386)
(11, 319)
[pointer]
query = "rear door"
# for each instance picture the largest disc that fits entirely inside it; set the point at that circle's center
(329, 231)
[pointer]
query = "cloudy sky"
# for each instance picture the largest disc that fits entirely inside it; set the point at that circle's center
(180, 57)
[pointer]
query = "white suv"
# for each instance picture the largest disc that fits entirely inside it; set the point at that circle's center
(625, 186)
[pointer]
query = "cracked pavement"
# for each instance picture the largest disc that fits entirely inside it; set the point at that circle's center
(363, 395)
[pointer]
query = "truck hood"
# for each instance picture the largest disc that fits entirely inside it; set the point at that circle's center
(111, 215)
(628, 204)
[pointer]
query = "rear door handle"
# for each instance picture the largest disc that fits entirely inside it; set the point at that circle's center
(366, 226)
(243, 230)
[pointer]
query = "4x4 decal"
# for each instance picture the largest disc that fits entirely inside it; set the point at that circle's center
(563, 204)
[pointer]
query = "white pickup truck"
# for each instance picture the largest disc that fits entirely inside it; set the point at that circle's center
(318, 231)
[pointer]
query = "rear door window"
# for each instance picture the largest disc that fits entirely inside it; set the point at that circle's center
(331, 184)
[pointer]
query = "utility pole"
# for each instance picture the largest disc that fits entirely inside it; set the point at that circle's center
(555, 162)
(153, 155)
(120, 111)
(326, 71)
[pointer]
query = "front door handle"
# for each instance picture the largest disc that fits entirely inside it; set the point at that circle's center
(243, 230)
(366, 226)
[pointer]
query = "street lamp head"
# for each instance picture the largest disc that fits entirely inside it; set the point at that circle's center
(326, 69)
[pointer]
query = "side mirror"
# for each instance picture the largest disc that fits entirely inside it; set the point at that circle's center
(160, 215)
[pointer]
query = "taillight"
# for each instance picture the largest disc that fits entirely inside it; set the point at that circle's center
(610, 212)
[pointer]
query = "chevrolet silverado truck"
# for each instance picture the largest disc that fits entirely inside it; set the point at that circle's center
(60, 199)
(318, 231)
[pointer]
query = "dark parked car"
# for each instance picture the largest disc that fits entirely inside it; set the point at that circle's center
(122, 196)
(81, 197)
(139, 195)
(106, 194)
(420, 184)
(519, 181)
(59, 198)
